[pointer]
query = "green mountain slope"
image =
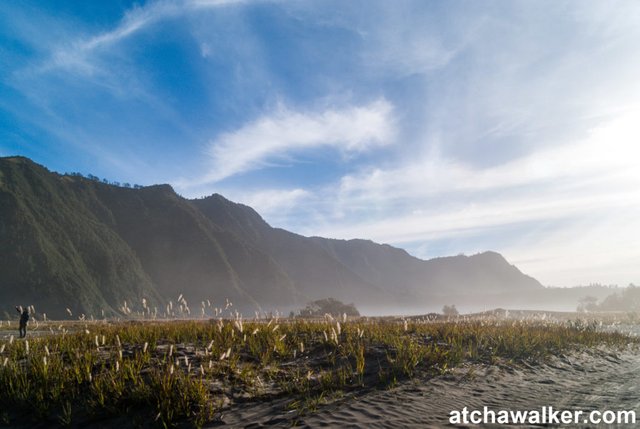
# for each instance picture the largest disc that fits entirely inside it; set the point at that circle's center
(71, 242)
(56, 252)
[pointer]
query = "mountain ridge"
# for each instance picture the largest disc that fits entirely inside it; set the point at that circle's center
(83, 244)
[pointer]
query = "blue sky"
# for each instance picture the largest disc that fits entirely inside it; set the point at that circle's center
(442, 127)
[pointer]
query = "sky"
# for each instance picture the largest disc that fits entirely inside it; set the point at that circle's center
(441, 127)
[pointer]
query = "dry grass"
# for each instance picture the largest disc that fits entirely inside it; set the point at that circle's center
(183, 372)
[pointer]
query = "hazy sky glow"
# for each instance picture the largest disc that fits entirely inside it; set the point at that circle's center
(441, 127)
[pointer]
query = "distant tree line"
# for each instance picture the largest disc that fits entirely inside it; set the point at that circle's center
(105, 181)
(450, 310)
(627, 299)
(328, 306)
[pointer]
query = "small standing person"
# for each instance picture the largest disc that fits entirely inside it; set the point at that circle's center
(24, 318)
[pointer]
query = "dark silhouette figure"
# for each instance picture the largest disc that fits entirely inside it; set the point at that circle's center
(24, 318)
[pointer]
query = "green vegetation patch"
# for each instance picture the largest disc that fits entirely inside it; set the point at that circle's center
(188, 372)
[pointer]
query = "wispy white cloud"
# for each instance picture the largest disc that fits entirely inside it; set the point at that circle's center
(405, 50)
(272, 202)
(205, 50)
(76, 55)
(468, 218)
(286, 132)
(608, 152)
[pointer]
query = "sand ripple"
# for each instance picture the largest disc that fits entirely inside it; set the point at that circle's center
(597, 380)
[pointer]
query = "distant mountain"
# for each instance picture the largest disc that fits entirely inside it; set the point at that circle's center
(73, 242)
(484, 273)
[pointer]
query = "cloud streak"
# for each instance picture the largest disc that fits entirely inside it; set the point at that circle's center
(287, 132)
(273, 203)
(76, 55)
(568, 163)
